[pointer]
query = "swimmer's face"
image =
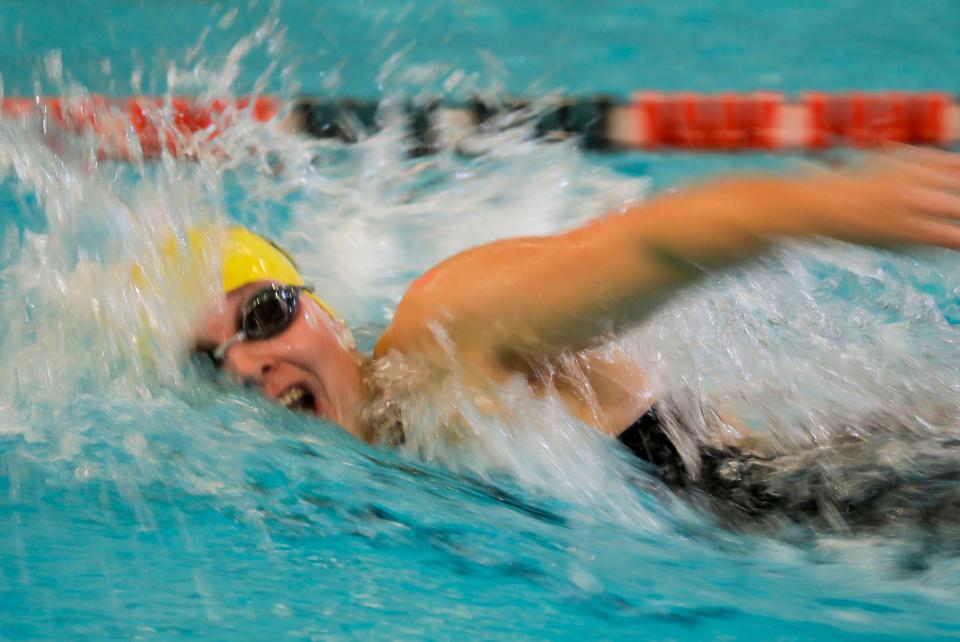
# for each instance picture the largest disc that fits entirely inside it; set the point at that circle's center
(310, 366)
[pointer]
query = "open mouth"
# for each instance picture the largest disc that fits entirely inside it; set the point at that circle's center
(299, 399)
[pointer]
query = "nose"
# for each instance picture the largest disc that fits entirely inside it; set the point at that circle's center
(247, 365)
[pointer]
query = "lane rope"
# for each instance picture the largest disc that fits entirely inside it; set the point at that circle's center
(725, 122)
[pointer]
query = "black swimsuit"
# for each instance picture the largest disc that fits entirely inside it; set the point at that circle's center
(726, 473)
(647, 440)
(746, 489)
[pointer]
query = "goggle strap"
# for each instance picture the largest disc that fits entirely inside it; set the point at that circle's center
(220, 354)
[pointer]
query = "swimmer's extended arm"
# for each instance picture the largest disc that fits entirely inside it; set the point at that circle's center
(539, 296)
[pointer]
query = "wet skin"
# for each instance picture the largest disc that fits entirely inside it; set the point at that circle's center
(521, 306)
(312, 365)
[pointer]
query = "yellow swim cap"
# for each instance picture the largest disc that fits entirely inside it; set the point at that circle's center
(182, 267)
(245, 257)
(248, 257)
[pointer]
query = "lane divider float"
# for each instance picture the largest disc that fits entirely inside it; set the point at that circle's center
(726, 122)
(173, 125)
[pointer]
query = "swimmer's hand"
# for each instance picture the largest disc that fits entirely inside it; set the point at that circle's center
(529, 298)
(909, 197)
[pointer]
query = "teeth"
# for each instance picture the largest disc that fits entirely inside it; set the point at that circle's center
(292, 396)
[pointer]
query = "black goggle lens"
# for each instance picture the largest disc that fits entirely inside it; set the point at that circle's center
(269, 312)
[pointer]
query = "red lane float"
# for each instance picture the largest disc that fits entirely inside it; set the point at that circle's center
(767, 121)
(725, 122)
(871, 119)
(158, 124)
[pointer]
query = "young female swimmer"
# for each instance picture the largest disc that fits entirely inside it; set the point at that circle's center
(526, 306)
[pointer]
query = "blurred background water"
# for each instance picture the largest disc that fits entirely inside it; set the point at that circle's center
(141, 498)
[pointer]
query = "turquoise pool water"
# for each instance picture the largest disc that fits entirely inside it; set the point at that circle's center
(141, 499)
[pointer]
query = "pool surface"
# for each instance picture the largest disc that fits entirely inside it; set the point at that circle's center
(142, 498)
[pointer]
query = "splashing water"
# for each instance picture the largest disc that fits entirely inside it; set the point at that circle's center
(168, 477)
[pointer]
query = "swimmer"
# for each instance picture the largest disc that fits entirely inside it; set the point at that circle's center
(533, 307)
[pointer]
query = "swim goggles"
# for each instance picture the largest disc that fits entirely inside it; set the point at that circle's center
(266, 314)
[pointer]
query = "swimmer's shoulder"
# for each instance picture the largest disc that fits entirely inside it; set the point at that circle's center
(422, 324)
(407, 333)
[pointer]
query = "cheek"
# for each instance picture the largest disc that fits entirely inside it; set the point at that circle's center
(308, 343)
(331, 329)
(313, 320)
